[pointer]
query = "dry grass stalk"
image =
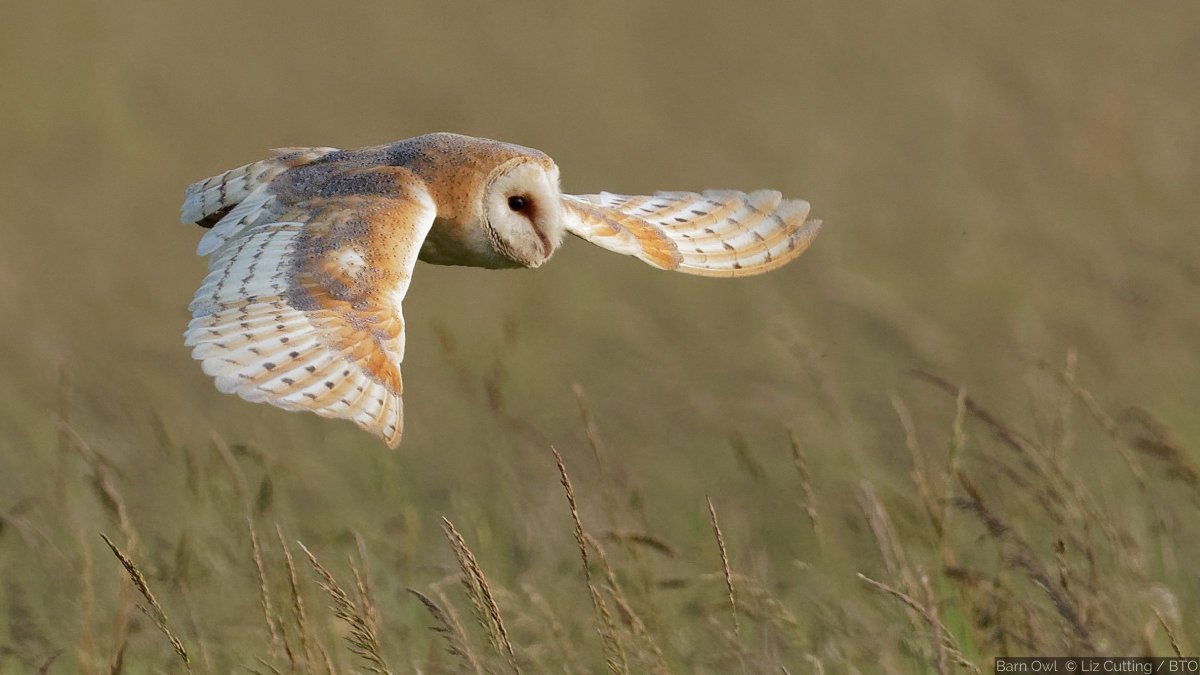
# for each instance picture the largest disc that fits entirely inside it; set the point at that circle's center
(973, 503)
(45, 667)
(450, 630)
(565, 645)
(264, 594)
(757, 603)
(809, 503)
(1023, 558)
(1106, 422)
(120, 623)
(155, 610)
(767, 606)
(288, 652)
(1162, 621)
(945, 637)
(1060, 559)
(117, 663)
(194, 626)
(1061, 495)
(920, 474)
(235, 472)
(239, 487)
(600, 454)
(618, 488)
(362, 639)
(444, 602)
(105, 486)
(645, 539)
(362, 586)
(1066, 435)
(958, 435)
(939, 647)
(894, 559)
(325, 660)
(480, 593)
(24, 636)
(298, 610)
(746, 457)
(620, 496)
(471, 587)
(1158, 441)
(628, 615)
(1065, 605)
(1014, 440)
(111, 497)
(589, 427)
(728, 654)
(614, 653)
(65, 405)
(625, 607)
(266, 664)
(85, 645)
(733, 607)
(30, 534)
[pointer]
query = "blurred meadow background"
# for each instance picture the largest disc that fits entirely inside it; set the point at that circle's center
(962, 425)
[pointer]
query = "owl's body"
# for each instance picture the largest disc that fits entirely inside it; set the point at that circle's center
(313, 250)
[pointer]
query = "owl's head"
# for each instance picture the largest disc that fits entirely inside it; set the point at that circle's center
(522, 209)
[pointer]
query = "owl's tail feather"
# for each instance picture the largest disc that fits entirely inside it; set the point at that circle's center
(205, 203)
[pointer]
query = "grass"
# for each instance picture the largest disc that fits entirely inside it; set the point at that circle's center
(996, 547)
(961, 426)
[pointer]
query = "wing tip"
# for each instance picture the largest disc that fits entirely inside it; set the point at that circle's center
(808, 232)
(388, 422)
(393, 441)
(192, 208)
(209, 243)
(791, 208)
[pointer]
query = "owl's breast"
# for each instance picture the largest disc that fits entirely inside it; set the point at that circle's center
(449, 242)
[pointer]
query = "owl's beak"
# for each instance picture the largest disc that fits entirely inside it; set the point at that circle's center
(547, 246)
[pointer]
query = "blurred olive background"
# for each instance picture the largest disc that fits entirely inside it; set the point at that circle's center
(1000, 183)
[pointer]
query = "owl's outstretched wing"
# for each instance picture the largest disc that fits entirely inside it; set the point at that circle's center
(303, 310)
(717, 233)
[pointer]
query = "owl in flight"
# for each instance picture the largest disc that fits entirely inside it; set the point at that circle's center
(313, 249)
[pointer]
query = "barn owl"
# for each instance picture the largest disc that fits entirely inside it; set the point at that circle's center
(313, 249)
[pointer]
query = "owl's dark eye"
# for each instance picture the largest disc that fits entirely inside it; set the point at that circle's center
(518, 203)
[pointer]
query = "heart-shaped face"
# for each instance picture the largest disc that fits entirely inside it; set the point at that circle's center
(522, 210)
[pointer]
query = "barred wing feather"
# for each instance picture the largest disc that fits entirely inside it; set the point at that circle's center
(719, 233)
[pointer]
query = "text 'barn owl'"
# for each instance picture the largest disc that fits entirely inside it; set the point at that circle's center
(313, 250)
